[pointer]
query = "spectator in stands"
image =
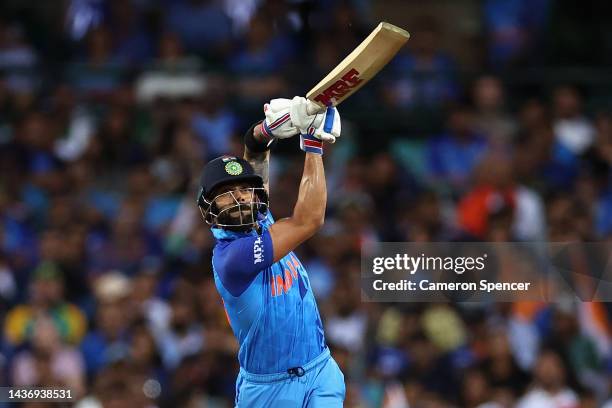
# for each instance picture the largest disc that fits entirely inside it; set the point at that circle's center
(264, 52)
(132, 42)
(214, 123)
(144, 297)
(513, 29)
(347, 322)
(203, 26)
(49, 361)
(389, 188)
(491, 117)
(172, 57)
(572, 129)
(476, 390)
(453, 155)
(550, 387)
(128, 241)
(500, 366)
(46, 298)
(108, 341)
(427, 220)
(118, 385)
(8, 286)
(18, 58)
(542, 161)
(35, 140)
(578, 348)
(428, 365)
(97, 74)
(495, 191)
(423, 76)
(16, 235)
(183, 335)
(562, 210)
(260, 60)
(216, 336)
(143, 355)
(115, 139)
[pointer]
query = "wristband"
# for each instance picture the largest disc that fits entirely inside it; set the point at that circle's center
(266, 131)
(255, 145)
(311, 144)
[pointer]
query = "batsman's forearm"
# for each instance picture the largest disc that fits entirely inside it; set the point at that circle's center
(312, 197)
(259, 161)
(258, 133)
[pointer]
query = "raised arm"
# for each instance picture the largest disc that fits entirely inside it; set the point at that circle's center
(309, 211)
(285, 118)
(259, 160)
(259, 138)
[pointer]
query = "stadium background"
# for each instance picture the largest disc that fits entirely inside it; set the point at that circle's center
(494, 123)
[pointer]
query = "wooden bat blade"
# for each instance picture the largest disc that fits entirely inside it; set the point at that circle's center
(359, 66)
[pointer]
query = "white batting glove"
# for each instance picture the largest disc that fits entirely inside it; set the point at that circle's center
(278, 119)
(330, 127)
(323, 125)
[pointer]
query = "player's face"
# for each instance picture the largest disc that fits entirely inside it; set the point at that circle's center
(229, 196)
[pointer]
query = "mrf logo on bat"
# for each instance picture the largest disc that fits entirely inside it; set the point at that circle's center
(339, 88)
(360, 66)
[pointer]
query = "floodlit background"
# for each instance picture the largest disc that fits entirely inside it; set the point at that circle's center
(494, 123)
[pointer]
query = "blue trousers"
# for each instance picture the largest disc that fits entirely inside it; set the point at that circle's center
(318, 384)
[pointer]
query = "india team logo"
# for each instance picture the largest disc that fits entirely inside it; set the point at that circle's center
(233, 168)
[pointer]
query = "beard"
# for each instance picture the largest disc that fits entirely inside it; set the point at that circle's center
(238, 217)
(244, 211)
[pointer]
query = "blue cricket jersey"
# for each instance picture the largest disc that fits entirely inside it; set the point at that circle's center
(270, 306)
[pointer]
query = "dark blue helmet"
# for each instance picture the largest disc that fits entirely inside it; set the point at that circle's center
(226, 170)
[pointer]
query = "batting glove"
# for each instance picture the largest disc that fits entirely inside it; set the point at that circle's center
(323, 126)
(278, 120)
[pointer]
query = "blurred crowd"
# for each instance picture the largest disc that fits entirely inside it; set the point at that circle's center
(108, 112)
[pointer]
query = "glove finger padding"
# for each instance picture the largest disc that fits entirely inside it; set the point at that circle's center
(279, 104)
(330, 126)
(278, 122)
(299, 114)
(328, 129)
(326, 122)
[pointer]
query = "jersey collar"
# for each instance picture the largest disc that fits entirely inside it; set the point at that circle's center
(222, 234)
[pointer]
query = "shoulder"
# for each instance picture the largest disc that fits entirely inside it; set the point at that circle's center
(220, 252)
(238, 262)
(243, 254)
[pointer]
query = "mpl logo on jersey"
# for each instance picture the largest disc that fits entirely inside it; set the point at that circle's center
(340, 88)
(258, 252)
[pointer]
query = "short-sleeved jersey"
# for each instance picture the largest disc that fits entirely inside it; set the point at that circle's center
(270, 305)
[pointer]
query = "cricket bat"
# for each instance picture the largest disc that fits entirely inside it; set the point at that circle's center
(359, 66)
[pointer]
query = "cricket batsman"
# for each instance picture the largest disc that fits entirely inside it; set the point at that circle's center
(284, 360)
